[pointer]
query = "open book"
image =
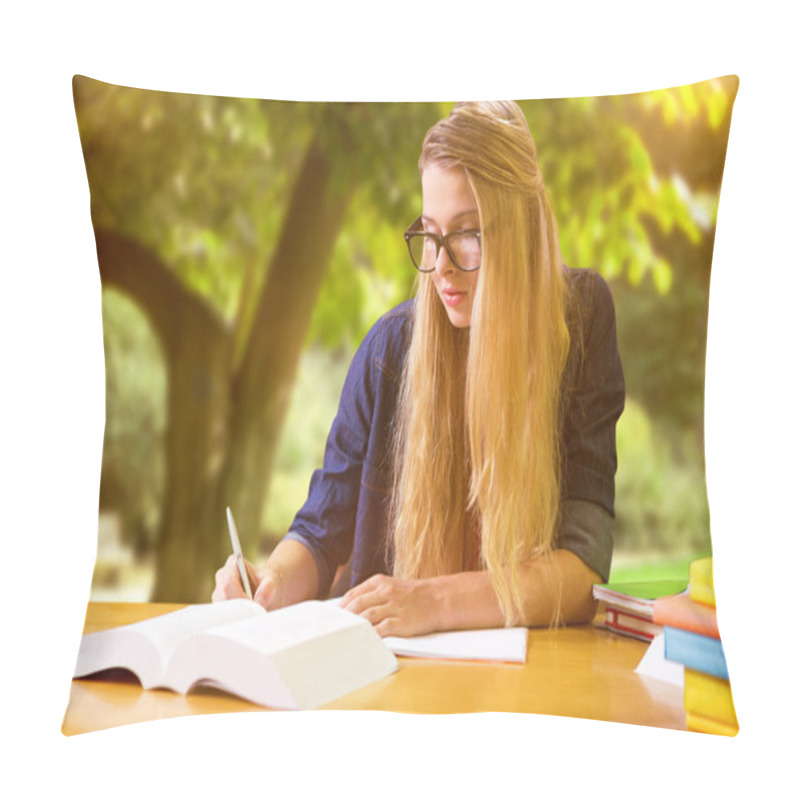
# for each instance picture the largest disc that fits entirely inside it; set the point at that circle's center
(300, 657)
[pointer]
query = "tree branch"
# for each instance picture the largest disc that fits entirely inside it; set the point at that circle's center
(137, 271)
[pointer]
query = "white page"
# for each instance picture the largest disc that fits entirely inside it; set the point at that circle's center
(280, 630)
(655, 665)
(488, 644)
(165, 632)
(168, 631)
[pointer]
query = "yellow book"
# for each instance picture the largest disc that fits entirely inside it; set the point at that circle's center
(699, 724)
(708, 696)
(701, 581)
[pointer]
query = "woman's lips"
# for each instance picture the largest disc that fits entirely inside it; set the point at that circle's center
(452, 297)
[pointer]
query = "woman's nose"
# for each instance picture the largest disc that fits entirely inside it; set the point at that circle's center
(443, 263)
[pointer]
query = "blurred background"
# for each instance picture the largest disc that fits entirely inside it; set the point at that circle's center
(246, 246)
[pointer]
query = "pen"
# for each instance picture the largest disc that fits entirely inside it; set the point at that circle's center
(237, 551)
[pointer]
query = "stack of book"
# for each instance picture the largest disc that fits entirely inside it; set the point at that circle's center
(627, 608)
(691, 638)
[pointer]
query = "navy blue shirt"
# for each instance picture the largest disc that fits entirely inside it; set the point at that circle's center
(346, 513)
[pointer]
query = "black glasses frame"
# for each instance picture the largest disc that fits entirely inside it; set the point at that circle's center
(415, 230)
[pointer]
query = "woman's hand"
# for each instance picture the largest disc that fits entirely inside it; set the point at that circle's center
(228, 586)
(558, 582)
(395, 606)
(289, 576)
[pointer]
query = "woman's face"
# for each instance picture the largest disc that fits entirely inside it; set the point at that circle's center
(448, 205)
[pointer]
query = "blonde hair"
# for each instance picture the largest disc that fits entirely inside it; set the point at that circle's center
(477, 462)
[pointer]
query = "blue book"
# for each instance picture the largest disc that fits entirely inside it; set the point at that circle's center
(702, 653)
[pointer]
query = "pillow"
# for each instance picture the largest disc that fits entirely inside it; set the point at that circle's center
(246, 246)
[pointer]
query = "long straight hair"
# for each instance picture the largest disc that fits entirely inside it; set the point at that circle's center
(477, 462)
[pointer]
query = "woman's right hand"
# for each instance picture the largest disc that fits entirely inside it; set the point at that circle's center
(228, 583)
(289, 576)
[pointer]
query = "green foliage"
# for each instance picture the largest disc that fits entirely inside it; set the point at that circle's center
(661, 496)
(133, 452)
(205, 181)
(313, 405)
(662, 336)
(611, 178)
(200, 180)
(370, 271)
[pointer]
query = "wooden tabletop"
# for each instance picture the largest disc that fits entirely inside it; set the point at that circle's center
(579, 671)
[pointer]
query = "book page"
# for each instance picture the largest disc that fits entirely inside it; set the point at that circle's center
(488, 644)
(168, 631)
(655, 665)
(288, 627)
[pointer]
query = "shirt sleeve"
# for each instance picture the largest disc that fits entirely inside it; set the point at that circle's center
(587, 531)
(593, 402)
(326, 522)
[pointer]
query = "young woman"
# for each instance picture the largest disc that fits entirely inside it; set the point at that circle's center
(468, 478)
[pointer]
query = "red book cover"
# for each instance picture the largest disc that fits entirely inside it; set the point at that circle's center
(631, 624)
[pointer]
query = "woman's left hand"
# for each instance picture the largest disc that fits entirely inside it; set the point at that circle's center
(395, 606)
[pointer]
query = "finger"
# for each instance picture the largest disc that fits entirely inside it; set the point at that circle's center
(227, 584)
(227, 591)
(233, 589)
(367, 605)
(389, 626)
(358, 602)
(221, 575)
(265, 591)
(377, 615)
(230, 563)
(369, 585)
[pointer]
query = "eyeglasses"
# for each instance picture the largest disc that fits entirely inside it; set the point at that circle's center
(463, 248)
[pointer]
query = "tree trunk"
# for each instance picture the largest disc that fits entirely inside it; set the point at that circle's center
(197, 350)
(193, 540)
(263, 385)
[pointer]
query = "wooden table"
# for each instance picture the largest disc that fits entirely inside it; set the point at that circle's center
(579, 671)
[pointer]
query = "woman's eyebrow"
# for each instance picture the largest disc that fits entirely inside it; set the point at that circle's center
(468, 213)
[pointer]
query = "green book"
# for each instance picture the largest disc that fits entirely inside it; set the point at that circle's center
(645, 590)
